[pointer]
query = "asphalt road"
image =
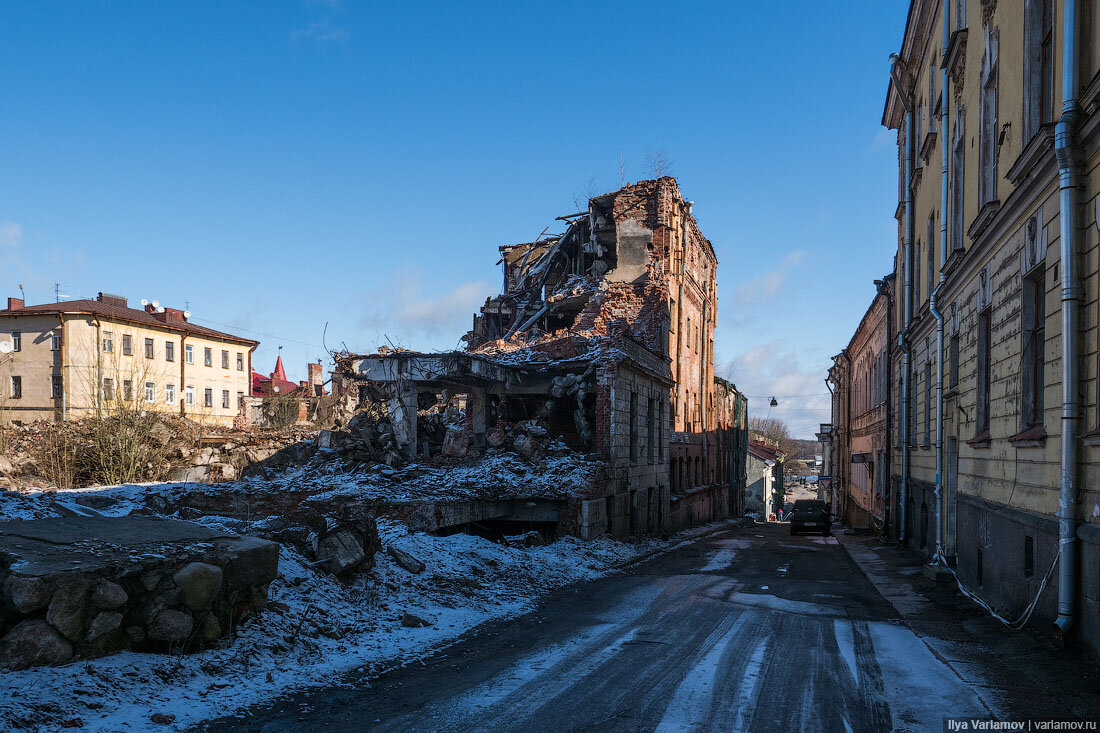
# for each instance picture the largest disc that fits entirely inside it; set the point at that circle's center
(749, 629)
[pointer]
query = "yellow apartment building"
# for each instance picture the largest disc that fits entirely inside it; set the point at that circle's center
(996, 470)
(81, 358)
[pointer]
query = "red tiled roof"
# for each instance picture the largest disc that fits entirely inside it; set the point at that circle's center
(122, 313)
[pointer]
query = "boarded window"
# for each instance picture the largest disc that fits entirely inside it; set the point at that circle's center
(1033, 332)
(985, 343)
(987, 150)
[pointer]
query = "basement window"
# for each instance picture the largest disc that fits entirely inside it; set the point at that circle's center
(1029, 556)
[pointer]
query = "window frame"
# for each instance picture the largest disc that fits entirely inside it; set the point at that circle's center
(107, 342)
(1033, 351)
(16, 341)
(207, 356)
(150, 392)
(188, 354)
(169, 394)
(16, 384)
(169, 350)
(150, 349)
(127, 345)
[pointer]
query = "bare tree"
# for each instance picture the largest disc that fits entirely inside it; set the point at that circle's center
(658, 163)
(581, 198)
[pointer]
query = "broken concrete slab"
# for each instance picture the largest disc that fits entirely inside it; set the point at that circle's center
(84, 579)
(405, 560)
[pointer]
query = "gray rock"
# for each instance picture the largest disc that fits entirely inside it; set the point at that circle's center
(171, 625)
(339, 552)
(210, 629)
(151, 579)
(199, 584)
(34, 643)
(26, 593)
(108, 595)
(104, 623)
(189, 474)
(412, 621)
(405, 560)
(5, 466)
(68, 607)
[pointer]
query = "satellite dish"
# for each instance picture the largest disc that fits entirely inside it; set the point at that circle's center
(156, 304)
(144, 302)
(160, 309)
(187, 314)
(6, 347)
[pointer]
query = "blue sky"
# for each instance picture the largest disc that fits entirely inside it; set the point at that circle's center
(282, 165)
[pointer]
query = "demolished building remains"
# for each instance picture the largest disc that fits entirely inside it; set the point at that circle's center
(600, 345)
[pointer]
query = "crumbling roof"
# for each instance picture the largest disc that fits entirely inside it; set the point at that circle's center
(122, 313)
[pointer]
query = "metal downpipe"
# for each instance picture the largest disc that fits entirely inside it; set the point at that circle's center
(903, 337)
(933, 305)
(1071, 296)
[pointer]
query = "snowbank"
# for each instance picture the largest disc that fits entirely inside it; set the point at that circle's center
(314, 630)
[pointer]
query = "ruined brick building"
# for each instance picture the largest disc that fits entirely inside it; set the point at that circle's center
(602, 341)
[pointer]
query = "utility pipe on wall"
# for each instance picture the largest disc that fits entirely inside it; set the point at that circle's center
(903, 337)
(1071, 297)
(938, 557)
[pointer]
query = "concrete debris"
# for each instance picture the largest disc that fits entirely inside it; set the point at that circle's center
(412, 621)
(405, 560)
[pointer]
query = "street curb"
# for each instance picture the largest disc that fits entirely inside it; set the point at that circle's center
(621, 564)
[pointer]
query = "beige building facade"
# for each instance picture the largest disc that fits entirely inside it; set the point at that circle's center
(83, 358)
(996, 470)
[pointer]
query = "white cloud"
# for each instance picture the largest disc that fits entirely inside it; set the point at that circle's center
(11, 234)
(409, 314)
(768, 285)
(320, 31)
(773, 369)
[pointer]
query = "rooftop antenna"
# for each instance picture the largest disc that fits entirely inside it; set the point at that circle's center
(57, 294)
(22, 295)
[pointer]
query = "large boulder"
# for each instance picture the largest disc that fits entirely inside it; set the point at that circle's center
(108, 595)
(26, 593)
(340, 552)
(69, 607)
(34, 643)
(170, 625)
(199, 583)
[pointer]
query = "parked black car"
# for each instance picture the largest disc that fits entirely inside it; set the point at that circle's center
(811, 514)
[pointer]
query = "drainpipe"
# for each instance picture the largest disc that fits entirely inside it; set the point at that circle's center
(903, 337)
(1071, 296)
(938, 558)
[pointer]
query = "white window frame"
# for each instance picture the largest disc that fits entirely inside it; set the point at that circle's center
(189, 395)
(188, 354)
(108, 344)
(55, 342)
(150, 391)
(170, 394)
(17, 340)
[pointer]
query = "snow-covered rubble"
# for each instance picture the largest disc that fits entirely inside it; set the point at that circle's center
(314, 629)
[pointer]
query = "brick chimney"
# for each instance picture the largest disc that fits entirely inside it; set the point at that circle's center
(109, 299)
(15, 304)
(316, 376)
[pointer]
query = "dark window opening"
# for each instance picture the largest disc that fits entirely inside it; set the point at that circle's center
(985, 338)
(1033, 315)
(978, 574)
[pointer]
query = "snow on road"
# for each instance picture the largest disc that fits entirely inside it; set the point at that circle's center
(315, 630)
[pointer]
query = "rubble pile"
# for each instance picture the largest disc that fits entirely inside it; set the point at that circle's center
(90, 586)
(183, 451)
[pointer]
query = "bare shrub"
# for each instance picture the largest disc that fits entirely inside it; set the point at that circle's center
(281, 411)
